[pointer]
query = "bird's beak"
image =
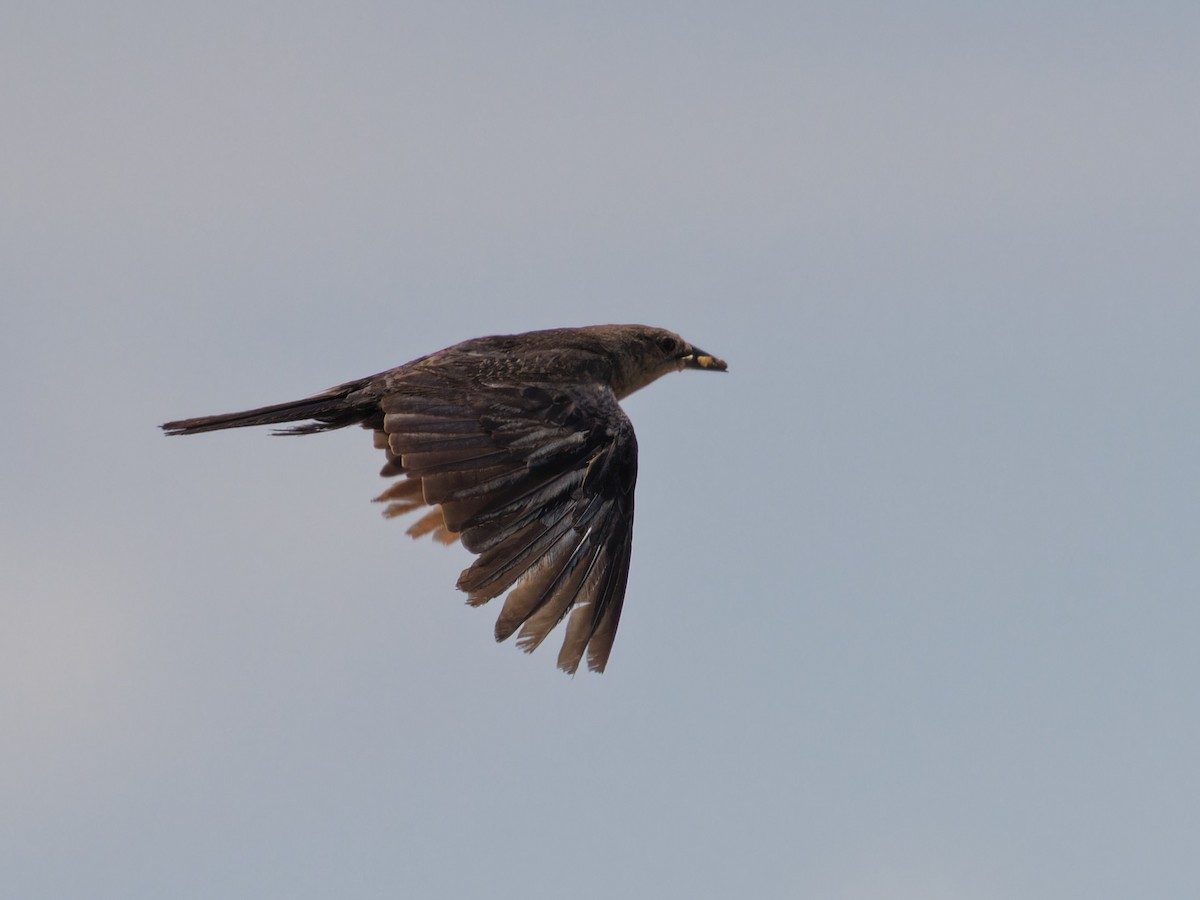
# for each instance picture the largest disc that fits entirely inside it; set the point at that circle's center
(698, 359)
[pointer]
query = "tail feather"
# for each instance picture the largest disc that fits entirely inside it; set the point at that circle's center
(331, 409)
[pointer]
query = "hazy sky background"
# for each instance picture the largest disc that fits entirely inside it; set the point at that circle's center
(913, 610)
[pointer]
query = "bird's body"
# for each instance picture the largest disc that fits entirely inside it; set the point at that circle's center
(520, 446)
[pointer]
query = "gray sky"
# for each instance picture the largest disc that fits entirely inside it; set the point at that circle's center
(913, 607)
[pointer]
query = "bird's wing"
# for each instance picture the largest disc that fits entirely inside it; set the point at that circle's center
(538, 480)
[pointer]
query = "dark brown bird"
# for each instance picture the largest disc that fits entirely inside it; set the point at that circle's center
(520, 447)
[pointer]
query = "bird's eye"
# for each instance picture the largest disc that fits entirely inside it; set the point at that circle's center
(668, 344)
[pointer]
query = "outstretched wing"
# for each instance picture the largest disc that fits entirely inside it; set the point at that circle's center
(538, 480)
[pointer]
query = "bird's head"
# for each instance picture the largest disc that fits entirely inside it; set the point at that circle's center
(643, 354)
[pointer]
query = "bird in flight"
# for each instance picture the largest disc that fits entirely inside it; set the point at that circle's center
(520, 448)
